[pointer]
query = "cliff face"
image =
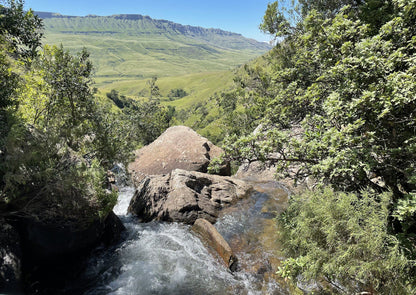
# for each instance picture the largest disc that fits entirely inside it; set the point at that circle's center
(136, 24)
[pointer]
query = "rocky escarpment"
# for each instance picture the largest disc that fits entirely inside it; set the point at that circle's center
(179, 147)
(185, 196)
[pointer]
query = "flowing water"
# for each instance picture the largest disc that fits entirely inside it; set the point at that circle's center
(166, 258)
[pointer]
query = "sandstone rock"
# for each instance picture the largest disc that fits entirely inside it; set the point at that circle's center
(10, 259)
(179, 147)
(256, 171)
(185, 196)
(213, 239)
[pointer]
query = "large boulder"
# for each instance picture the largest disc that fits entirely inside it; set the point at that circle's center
(179, 147)
(210, 237)
(185, 196)
(10, 259)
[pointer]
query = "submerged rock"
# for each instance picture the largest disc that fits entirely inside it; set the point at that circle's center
(179, 147)
(185, 196)
(213, 239)
(10, 259)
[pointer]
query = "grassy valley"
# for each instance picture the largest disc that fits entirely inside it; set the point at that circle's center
(128, 50)
(134, 47)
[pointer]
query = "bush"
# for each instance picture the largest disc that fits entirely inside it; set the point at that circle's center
(344, 239)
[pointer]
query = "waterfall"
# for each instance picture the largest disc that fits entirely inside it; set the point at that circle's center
(166, 258)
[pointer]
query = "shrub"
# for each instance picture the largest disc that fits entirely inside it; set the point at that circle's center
(344, 239)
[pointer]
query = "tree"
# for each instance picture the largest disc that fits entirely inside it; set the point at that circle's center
(22, 29)
(56, 142)
(154, 89)
(148, 120)
(337, 80)
(340, 108)
(177, 93)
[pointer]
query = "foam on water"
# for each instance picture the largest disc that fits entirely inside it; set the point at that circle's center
(166, 258)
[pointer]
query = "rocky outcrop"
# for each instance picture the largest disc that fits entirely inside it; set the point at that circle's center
(211, 238)
(179, 147)
(10, 259)
(185, 196)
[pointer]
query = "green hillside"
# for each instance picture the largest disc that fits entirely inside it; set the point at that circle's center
(197, 109)
(136, 47)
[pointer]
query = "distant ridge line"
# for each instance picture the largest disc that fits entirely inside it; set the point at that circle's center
(180, 27)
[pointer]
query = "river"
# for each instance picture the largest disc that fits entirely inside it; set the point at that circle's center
(166, 258)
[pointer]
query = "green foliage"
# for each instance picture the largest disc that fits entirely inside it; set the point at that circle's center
(141, 122)
(114, 96)
(22, 29)
(344, 239)
(242, 107)
(215, 165)
(153, 88)
(177, 93)
(56, 140)
(274, 21)
(48, 180)
(148, 120)
(336, 103)
(349, 98)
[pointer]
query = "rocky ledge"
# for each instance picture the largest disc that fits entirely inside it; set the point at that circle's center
(185, 196)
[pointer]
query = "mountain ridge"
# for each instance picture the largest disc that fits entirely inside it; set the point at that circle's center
(160, 23)
(133, 46)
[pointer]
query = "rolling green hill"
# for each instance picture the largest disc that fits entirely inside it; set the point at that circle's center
(127, 50)
(136, 47)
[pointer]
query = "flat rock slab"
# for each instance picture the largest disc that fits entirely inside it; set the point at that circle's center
(179, 147)
(215, 241)
(184, 196)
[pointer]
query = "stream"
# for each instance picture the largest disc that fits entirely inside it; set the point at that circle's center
(166, 258)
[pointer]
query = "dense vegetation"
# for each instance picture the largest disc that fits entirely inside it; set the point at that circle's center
(335, 102)
(57, 139)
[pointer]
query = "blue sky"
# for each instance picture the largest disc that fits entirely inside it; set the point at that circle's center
(239, 16)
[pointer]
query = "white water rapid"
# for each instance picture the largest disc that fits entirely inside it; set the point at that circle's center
(166, 258)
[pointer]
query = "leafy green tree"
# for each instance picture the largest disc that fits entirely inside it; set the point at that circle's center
(56, 141)
(22, 29)
(177, 93)
(154, 89)
(148, 120)
(340, 107)
(141, 122)
(114, 96)
(351, 96)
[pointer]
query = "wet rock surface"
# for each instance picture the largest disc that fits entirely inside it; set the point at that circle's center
(55, 252)
(213, 239)
(10, 259)
(185, 196)
(179, 147)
